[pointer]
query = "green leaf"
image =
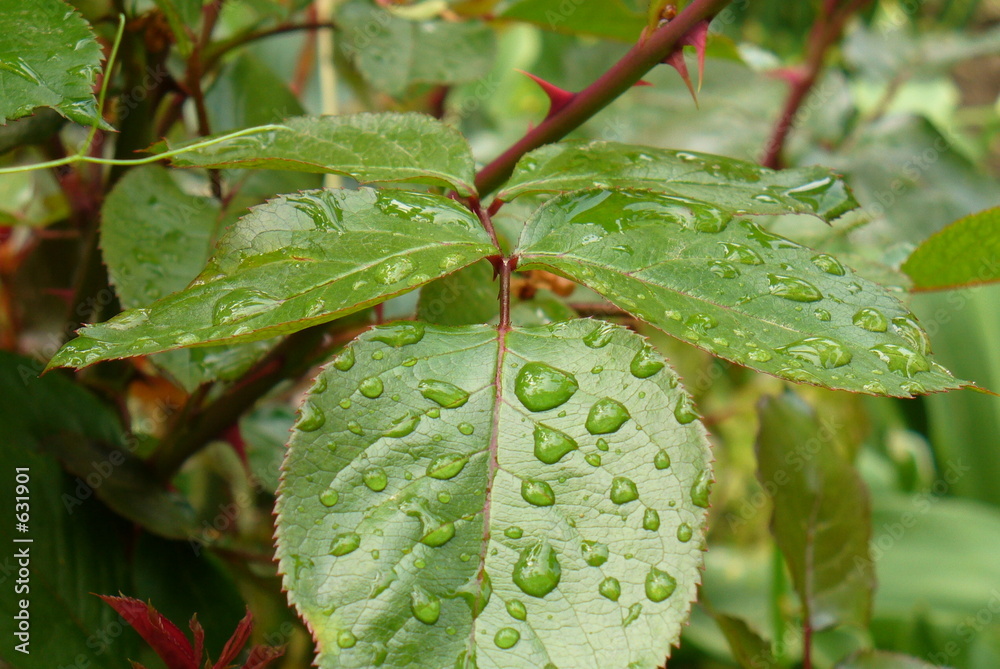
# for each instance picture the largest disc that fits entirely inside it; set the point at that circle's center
(156, 239)
(965, 253)
(297, 261)
(385, 147)
(877, 659)
(436, 511)
(822, 513)
(615, 19)
(731, 185)
(393, 53)
(48, 58)
(747, 646)
(467, 297)
(735, 290)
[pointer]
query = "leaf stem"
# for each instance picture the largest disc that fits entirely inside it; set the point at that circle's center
(105, 80)
(627, 72)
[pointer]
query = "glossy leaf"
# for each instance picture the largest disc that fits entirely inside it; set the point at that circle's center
(297, 261)
(747, 646)
(735, 290)
(394, 53)
(48, 58)
(876, 659)
(616, 19)
(437, 512)
(156, 239)
(822, 513)
(724, 183)
(385, 147)
(966, 253)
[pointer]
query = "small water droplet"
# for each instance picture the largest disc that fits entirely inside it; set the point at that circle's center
(593, 459)
(240, 304)
(425, 607)
(684, 533)
(345, 639)
(723, 269)
(901, 359)
(355, 427)
(819, 351)
(700, 489)
(791, 288)
(610, 588)
(876, 387)
(913, 387)
(871, 319)
(594, 553)
(329, 497)
(822, 315)
(634, 612)
(701, 322)
(393, 270)
(606, 416)
(344, 543)
(602, 445)
(758, 354)
(312, 418)
(538, 493)
(446, 394)
(829, 264)
(466, 428)
(651, 520)
(513, 532)
(600, 336)
(623, 490)
(662, 459)
(537, 570)
(375, 479)
(683, 411)
(446, 466)
(551, 445)
(345, 360)
(659, 585)
(345, 403)
(443, 497)
(741, 254)
(433, 412)
(506, 638)
(517, 610)
(541, 387)
(371, 387)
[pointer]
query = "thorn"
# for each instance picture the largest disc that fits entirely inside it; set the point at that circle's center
(641, 83)
(676, 61)
(698, 38)
(558, 98)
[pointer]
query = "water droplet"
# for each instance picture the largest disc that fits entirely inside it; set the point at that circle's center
(329, 497)
(419, 563)
(606, 416)
(765, 198)
(538, 493)
(517, 609)
(908, 328)
(425, 607)
(506, 638)
(375, 479)
(876, 387)
(440, 535)
(466, 428)
(634, 612)
(345, 360)
(513, 532)
(701, 322)
(594, 553)
(541, 387)
(822, 315)
(345, 639)
(829, 264)
(819, 351)
(551, 445)
(319, 386)
(371, 387)
(700, 489)
(650, 520)
(345, 403)
(443, 497)
(393, 270)
(646, 363)
(355, 427)
(662, 459)
(446, 466)
(684, 533)
(537, 570)
(593, 459)
(723, 269)
(600, 336)
(871, 320)
(766, 239)
(433, 412)
(312, 418)
(913, 387)
(404, 425)
(659, 585)
(446, 394)
(399, 334)
(610, 588)
(741, 254)
(901, 359)
(683, 411)
(791, 288)
(596, 369)
(623, 490)
(602, 445)
(240, 304)
(758, 355)
(345, 543)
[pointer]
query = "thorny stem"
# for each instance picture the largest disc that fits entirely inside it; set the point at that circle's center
(826, 31)
(627, 72)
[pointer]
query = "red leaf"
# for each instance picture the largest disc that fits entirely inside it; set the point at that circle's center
(161, 634)
(261, 656)
(236, 642)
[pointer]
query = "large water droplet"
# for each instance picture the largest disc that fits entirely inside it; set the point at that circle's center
(346, 639)
(651, 520)
(425, 607)
(403, 425)
(684, 533)
(446, 394)
(541, 387)
(506, 638)
(662, 459)
(344, 543)
(610, 588)
(900, 359)
(908, 328)
(871, 320)
(741, 254)
(440, 535)
(393, 270)
(399, 334)
(829, 264)
(683, 411)
(700, 489)
(446, 466)
(791, 288)
(819, 351)
(242, 303)
(623, 490)
(551, 445)
(538, 493)
(312, 418)
(606, 416)
(600, 336)
(517, 610)
(594, 553)
(646, 363)
(375, 479)
(371, 387)
(329, 497)
(659, 585)
(537, 570)
(345, 360)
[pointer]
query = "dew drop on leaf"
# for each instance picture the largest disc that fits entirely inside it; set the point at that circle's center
(425, 607)
(646, 363)
(403, 425)
(876, 387)
(393, 270)
(723, 269)
(741, 254)
(907, 328)
(551, 445)
(513, 532)
(633, 614)
(446, 394)
(240, 304)
(662, 459)
(537, 570)
(345, 543)
(828, 264)
(683, 411)
(684, 533)
(506, 638)
(355, 427)
(623, 490)
(594, 553)
(822, 315)
(329, 497)
(541, 387)
(446, 466)
(399, 334)
(602, 445)
(593, 459)
(871, 319)
(345, 360)
(700, 489)
(600, 336)
(439, 536)
(659, 585)
(538, 493)
(650, 520)
(371, 387)
(517, 609)
(466, 428)
(610, 588)
(901, 359)
(312, 418)
(375, 479)
(819, 351)
(606, 416)
(792, 288)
